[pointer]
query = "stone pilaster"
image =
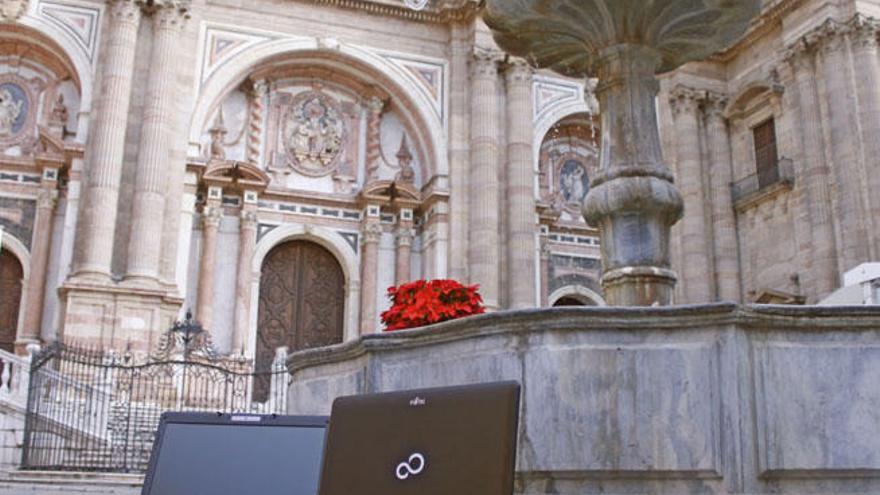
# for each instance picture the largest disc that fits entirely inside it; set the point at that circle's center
(104, 155)
(256, 119)
(726, 257)
(484, 245)
(211, 215)
(375, 106)
(370, 235)
(832, 50)
(696, 269)
(148, 208)
(863, 36)
(814, 178)
(545, 272)
(403, 256)
(247, 241)
(520, 190)
(36, 288)
(459, 150)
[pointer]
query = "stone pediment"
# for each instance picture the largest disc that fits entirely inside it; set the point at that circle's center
(230, 173)
(391, 190)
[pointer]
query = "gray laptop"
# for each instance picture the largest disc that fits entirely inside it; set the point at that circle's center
(443, 441)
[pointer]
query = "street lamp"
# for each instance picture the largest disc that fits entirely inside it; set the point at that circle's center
(187, 331)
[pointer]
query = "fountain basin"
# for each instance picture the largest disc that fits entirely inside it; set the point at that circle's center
(688, 399)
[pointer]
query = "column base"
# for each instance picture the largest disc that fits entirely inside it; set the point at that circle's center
(639, 286)
(115, 316)
(23, 346)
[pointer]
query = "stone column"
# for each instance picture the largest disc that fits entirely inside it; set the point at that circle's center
(545, 272)
(148, 208)
(727, 270)
(42, 242)
(247, 241)
(484, 242)
(375, 105)
(372, 231)
(696, 269)
(104, 155)
(813, 175)
(844, 146)
(521, 221)
(256, 117)
(403, 255)
(863, 33)
(211, 215)
(632, 200)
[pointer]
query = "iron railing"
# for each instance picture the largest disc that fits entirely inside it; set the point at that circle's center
(783, 173)
(91, 410)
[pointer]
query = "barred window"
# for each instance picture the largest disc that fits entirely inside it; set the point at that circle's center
(766, 158)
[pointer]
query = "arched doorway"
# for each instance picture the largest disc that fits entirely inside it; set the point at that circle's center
(302, 303)
(11, 275)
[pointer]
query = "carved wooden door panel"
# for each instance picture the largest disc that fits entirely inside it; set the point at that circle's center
(301, 303)
(11, 275)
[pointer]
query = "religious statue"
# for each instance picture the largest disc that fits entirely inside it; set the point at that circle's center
(58, 118)
(10, 109)
(315, 135)
(573, 181)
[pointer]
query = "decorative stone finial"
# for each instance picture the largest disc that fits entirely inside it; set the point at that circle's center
(404, 161)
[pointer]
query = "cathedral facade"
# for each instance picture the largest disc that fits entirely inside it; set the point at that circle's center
(275, 167)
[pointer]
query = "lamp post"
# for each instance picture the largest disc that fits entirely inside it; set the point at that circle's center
(187, 330)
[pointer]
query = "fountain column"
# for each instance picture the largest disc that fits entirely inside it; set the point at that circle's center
(632, 199)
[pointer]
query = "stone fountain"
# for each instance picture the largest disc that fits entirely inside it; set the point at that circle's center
(633, 200)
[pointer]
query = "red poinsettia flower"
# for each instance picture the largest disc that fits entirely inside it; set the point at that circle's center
(419, 303)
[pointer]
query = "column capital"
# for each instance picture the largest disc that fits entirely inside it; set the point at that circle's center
(258, 88)
(715, 105)
(485, 63)
(125, 11)
(828, 38)
(211, 216)
(167, 14)
(371, 233)
(404, 236)
(863, 32)
(249, 219)
(47, 198)
(518, 70)
(546, 250)
(685, 100)
(375, 105)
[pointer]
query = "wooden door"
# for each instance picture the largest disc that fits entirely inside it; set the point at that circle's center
(11, 275)
(301, 303)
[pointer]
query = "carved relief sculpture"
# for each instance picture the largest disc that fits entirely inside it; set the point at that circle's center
(314, 132)
(18, 98)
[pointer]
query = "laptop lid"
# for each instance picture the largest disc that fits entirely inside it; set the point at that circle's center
(236, 454)
(456, 440)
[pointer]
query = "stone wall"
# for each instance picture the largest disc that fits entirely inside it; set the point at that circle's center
(695, 399)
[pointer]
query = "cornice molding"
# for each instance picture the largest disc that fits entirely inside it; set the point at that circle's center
(767, 21)
(448, 11)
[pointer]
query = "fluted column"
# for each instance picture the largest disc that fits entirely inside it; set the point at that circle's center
(372, 231)
(403, 255)
(375, 106)
(814, 177)
(696, 268)
(211, 216)
(459, 149)
(36, 287)
(148, 208)
(97, 226)
(723, 217)
(844, 152)
(484, 198)
(247, 241)
(521, 224)
(863, 33)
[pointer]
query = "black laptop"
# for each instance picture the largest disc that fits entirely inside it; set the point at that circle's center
(443, 441)
(236, 454)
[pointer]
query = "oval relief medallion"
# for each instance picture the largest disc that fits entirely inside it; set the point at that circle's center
(314, 133)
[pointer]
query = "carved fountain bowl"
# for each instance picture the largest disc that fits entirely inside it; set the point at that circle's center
(567, 36)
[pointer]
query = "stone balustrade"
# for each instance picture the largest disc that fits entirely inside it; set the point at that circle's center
(693, 399)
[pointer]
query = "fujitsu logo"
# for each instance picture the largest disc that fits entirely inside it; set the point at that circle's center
(417, 401)
(411, 467)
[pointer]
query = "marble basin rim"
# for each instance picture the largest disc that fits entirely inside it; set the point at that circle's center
(569, 36)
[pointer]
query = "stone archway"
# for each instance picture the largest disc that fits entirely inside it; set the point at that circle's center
(11, 279)
(301, 303)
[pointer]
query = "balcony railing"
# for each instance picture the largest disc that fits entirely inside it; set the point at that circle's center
(783, 173)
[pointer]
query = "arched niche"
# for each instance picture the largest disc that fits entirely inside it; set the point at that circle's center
(40, 61)
(579, 293)
(568, 160)
(343, 65)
